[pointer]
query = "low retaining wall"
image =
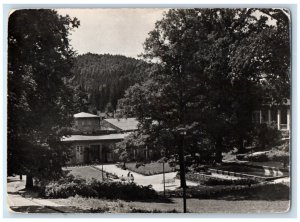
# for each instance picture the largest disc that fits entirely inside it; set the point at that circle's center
(257, 166)
(243, 175)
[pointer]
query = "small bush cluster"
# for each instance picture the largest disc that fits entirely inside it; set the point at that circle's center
(218, 181)
(273, 155)
(200, 169)
(213, 181)
(279, 156)
(263, 157)
(69, 187)
(265, 135)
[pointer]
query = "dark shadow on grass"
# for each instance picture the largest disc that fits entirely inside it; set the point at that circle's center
(33, 209)
(271, 192)
(47, 209)
(247, 197)
(256, 196)
(267, 192)
(158, 200)
(31, 193)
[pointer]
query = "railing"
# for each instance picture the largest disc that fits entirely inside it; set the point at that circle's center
(283, 126)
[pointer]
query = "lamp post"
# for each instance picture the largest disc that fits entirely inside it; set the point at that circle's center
(102, 164)
(163, 162)
(102, 171)
(182, 133)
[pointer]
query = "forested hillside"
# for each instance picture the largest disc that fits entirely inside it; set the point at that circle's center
(102, 79)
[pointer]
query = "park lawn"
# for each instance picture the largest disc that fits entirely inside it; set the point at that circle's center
(175, 206)
(148, 169)
(85, 172)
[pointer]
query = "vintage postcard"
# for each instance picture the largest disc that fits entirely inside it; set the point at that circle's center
(149, 110)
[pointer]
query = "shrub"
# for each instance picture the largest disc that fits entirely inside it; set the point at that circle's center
(218, 181)
(213, 181)
(128, 191)
(279, 156)
(272, 155)
(266, 135)
(68, 189)
(201, 168)
(65, 188)
(262, 157)
(240, 156)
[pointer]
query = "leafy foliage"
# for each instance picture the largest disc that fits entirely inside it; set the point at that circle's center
(70, 186)
(275, 155)
(125, 148)
(40, 100)
(213, 181)
(101, 80)
(266, 136)
(215, 67)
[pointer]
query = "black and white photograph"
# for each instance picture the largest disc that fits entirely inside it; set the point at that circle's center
(149, 110)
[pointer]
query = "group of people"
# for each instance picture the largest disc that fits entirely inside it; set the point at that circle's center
(130, 178)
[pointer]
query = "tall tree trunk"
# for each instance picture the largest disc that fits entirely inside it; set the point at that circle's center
(219, 149)
(29, 181)
(241, 146)
(181, 162)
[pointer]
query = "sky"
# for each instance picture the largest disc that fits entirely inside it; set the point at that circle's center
(113, 31)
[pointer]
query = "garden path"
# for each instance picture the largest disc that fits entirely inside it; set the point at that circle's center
(18, 203)
(155, 180)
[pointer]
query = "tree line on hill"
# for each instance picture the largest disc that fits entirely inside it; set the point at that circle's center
(101, 80)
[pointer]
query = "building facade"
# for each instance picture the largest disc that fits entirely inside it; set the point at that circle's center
(94, 140)
(280, 115)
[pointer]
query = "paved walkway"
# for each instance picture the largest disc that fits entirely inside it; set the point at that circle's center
(22, 204)
(155, 180)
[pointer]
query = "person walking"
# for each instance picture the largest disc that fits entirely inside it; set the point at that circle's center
(131, 178)
(128, 177)
(122, 179)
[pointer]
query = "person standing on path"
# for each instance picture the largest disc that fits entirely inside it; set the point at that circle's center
(131, 178)
(122, 179)
(128, 177)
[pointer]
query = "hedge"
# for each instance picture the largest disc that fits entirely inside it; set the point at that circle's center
(65, 188)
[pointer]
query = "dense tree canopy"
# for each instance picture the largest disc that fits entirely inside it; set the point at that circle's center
(215, 67)
(102, 79)
(40, 98)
